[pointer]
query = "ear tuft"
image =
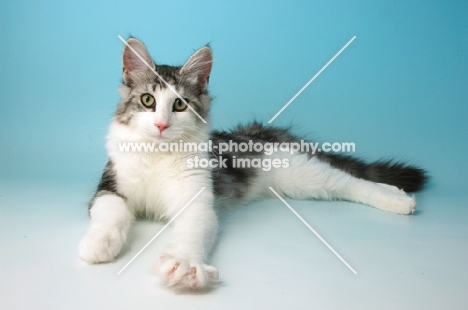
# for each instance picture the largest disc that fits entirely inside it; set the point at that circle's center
(198, 67)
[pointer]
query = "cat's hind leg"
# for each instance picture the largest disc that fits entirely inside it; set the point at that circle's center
(110, 223)
(381, 196)
(309, 178)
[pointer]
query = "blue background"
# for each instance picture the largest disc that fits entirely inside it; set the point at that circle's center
(399, 90)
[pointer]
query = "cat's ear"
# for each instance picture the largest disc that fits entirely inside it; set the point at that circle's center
(133, 65)
(198, 67)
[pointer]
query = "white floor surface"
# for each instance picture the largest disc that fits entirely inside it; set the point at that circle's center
(267, 259)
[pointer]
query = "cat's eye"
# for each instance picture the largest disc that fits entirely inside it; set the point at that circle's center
(180, 105)
(147, 100)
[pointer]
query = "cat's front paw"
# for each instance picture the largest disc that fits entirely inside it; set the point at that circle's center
(100, 245)
(184, 274)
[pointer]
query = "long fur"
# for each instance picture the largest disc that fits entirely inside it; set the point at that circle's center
(158, 185)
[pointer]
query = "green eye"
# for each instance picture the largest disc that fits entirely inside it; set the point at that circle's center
(147, 100)
(179, 105)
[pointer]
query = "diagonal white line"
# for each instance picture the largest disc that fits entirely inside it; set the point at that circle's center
(161, 78)
(313, 230)
(311, 80)
(161, 230)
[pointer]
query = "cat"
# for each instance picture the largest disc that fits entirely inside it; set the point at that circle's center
(157, 185)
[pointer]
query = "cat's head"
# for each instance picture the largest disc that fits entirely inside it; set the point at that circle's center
(164, 103)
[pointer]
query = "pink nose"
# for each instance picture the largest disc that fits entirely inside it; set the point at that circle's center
(161, 127)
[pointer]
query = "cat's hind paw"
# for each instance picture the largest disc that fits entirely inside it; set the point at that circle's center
(402, 204)
(396, 200)
(183, 274)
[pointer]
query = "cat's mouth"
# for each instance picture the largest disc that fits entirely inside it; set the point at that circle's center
(164, 137)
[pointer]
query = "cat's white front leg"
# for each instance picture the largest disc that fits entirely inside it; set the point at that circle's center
(183, 265)
(110, 223)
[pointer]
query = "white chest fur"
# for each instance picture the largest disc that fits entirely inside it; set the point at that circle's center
(150, 180)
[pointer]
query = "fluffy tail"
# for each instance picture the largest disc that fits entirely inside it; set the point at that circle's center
(399, 174)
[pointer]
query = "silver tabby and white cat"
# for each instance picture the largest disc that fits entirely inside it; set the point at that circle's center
(158, 184)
